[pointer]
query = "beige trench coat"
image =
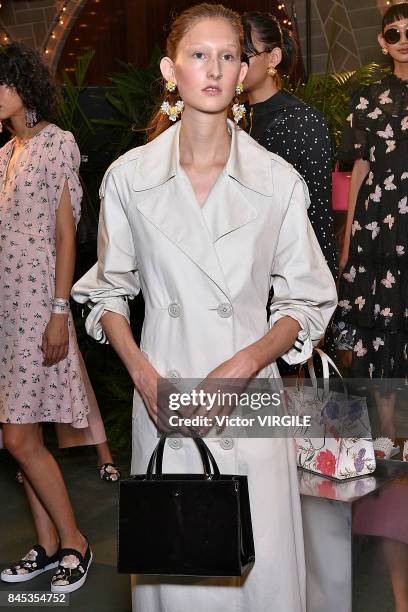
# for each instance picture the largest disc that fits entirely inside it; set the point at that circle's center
(205, 274)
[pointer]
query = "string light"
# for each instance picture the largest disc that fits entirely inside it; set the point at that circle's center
(60, 21)
(4, 37)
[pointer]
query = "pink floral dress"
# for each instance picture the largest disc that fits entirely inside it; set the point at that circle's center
(29, 391)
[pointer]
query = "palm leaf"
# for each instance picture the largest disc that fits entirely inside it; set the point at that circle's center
(330, 93)
(133, 97)
(70, 111)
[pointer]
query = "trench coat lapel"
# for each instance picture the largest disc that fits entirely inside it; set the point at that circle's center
(176, 214)
(166, 198)
(227, 209)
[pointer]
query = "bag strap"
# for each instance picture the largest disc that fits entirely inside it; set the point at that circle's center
(325, 361)
(156, 460)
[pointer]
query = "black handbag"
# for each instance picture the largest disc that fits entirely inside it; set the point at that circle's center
(185, 524)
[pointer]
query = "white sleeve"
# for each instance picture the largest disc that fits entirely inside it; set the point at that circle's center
(303, 286)
(114, 279)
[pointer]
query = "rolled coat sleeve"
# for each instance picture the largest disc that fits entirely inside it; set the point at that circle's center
(114, 279)
(303, 287)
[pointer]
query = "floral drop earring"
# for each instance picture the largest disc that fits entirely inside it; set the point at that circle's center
(238, 110)
(173, 111)
(31, 119)
(1, 127)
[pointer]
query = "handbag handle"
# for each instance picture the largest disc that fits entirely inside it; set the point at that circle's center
(326, 361)
(156, 460)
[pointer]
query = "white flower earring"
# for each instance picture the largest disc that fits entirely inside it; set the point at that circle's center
(1, 127)
(238, 110)
(173, 111)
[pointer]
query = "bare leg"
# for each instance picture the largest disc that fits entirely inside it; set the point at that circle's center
(386, 409)
(396, 554)
(47, 534)
(24, 442)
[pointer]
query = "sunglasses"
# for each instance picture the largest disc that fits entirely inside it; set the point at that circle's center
(249, 55)
(393, 35)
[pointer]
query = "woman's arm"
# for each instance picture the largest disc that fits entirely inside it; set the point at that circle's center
(250, 360)
(142, 373)
(360, 170)
(55, 342)
(65, 246)
(304, 293)
(109, 285)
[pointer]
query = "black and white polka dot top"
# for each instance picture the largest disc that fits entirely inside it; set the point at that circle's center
(285, 125)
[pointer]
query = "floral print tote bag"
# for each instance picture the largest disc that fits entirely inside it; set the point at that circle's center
(338, 442)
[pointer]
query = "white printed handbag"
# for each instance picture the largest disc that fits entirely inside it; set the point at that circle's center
(338, 443)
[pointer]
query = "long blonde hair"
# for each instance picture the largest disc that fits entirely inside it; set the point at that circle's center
(179, 28)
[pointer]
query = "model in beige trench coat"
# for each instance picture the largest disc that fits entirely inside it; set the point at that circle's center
(205, 274)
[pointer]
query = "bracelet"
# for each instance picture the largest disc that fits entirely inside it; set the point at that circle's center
(60, 306)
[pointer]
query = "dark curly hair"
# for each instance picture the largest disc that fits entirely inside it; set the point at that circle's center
(23, 68)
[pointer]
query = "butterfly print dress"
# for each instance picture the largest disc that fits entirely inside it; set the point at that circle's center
(373, 296)
(29, 196)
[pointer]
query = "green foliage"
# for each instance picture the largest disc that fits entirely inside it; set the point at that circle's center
(134, 96)
(330, 93)
(70, 116)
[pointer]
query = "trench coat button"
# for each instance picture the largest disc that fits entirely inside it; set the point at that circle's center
(225, 310)
(174, 310)
(175, 443)
(174, 376)
(227, 443)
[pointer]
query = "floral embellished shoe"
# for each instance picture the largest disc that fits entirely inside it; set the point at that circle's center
(384, 448)
(72, 570)
(109, 472)
(35, 562)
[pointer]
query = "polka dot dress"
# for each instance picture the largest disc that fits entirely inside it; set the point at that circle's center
(297, 132)
(284, 125)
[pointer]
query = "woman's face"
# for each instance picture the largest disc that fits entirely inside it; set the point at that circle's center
(397, 50)
(259, 64)
(207, 67)
(10, 102)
